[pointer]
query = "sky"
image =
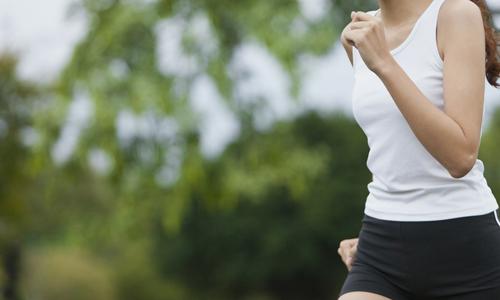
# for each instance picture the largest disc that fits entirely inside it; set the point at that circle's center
(42, 33)
(44, 36)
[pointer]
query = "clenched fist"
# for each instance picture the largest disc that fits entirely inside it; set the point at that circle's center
(347, 251)
(367, 34)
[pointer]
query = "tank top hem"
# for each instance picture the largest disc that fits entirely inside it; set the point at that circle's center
(399, 216)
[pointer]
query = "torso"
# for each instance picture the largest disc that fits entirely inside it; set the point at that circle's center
(408, 183)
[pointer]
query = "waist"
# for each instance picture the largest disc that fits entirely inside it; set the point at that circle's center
(429, 204)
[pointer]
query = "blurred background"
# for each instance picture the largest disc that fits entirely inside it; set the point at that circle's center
(182, 149)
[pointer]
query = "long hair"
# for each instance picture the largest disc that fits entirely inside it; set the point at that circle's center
(492, 41)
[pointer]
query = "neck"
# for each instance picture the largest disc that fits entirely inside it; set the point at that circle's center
(397, 12)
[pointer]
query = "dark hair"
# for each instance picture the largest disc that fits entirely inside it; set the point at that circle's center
(492, 40)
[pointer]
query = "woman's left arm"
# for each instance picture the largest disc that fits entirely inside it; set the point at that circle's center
(451, 136)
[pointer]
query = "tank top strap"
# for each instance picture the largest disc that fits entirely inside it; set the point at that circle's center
(426, 33)
(429, 18)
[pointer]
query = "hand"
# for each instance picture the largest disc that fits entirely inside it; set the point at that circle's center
(343, 38)
(366, 33)
(347, 251)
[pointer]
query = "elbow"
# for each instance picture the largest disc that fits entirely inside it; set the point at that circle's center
(459, 173)
(463, 166)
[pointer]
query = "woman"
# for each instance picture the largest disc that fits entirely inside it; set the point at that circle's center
(430, 228)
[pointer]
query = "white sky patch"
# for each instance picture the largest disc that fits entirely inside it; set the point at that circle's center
(42, 35)
(164, 130)
(140, 3)
(493, 4)
(79, 114)
(173, 59)
(496, 21)
(492, 95)
(119, 69)
(218, 125)
(491, 102)
(125, 124)
(259, 77)
(100, 161)
(327, 81)
(314, 10)
(299, 26)
(146, 125)
(200, 29)
(170, 170)
(29, 136)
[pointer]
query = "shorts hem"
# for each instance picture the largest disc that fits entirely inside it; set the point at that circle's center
(376, 291)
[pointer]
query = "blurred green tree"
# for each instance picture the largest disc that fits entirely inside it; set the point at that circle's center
(297, 194)
(16, 104)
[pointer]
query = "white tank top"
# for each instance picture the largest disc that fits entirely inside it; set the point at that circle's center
(408, 183)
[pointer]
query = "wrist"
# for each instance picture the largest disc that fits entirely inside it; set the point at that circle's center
(385, 66)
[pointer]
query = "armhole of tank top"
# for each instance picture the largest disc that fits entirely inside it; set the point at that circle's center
(435, 48)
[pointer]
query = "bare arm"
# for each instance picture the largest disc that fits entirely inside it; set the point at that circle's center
(452, 136)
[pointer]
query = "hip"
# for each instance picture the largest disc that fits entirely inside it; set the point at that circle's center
(437, 257)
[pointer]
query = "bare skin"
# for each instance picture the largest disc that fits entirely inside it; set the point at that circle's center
(452, 136)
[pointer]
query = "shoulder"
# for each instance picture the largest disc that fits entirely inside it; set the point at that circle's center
(459, 20)
(461, 13)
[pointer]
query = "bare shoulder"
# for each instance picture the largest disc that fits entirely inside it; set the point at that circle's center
(457, 21)
(461, 13)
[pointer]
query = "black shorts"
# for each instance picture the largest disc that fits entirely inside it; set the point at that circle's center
(455, 259)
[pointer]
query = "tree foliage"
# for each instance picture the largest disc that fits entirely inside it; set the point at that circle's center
(260, 221)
